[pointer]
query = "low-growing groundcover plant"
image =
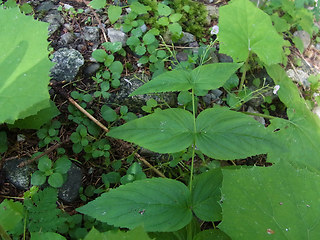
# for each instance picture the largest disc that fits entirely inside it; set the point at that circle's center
(277, 202)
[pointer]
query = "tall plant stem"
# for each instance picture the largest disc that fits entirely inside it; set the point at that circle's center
(243, 77)
(193, 145)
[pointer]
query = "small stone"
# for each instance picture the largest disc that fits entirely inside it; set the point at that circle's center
(257, 118)
(316, 111)
(143, 28)
(299, 76)
(68, 62)
(91, 69)
(55, 20)
(182, 56)
(117, 36)
(304, 36)
(213, 11)
(70, 189)
(68, 27)
(91, 34)
(19, 177)
(46, 6)
(224, 58)
(67, 38)
(187, 38)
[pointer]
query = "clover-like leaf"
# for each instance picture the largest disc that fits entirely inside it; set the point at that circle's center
(114, 12)
(245, 28)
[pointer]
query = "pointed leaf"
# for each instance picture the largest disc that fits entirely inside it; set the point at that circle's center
(244, 28)
(165, 131)
(300, 135)
(158, 204)
(205, 77)
(206, 195)
(212, 76)
(278, 202)
(177, 80)
(224, 134)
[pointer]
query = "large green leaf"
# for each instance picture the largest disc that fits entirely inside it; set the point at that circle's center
(157, 204)
(11, 213)
(137, 233)
(166, 131)
(24, 65)
(224, 134)
(245, 28)
(177, 80)
(204, 77)
(278, 202)
(114, 12)
(206, 195)
(300, 135)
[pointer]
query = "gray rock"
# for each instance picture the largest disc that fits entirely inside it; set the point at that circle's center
(46, 6)
(68, 62)
(212, 57)
(212, 96)
(224, 58)
(67, 38)
(55, 20)
(257, 118)
(300, 77)
(187, 38)
(182, 56)
(117, 36)
(70, 189)
(143, 28)
(19, 177)
(134, 104)
(304, 36)
(91, 34)
(91, 69)
(317, 46)
(213, 11)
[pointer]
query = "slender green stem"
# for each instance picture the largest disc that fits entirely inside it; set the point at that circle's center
(189, 231)
(243, 77)
(193, 145)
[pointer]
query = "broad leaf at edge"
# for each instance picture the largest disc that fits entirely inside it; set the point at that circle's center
(157, 204)
(300, 135)
(206, 77)
(278, 202)
(225, 135)
(244, 28)
(206, 195)
(166, 131)
(137, 233)
(24, 65)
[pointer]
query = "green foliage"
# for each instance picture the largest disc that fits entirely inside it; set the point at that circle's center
(24, 66)
(97, 4)
(55, 172)
(243, 29)
(11, 214)
(137, 233)
(282, 203)
(43, 214)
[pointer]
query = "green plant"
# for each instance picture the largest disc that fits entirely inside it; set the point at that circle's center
(49, 133)
(55, 172)
(18, 66)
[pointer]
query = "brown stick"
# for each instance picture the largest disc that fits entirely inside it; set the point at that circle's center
(107, 130)
(81, 109)
(46, 152)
